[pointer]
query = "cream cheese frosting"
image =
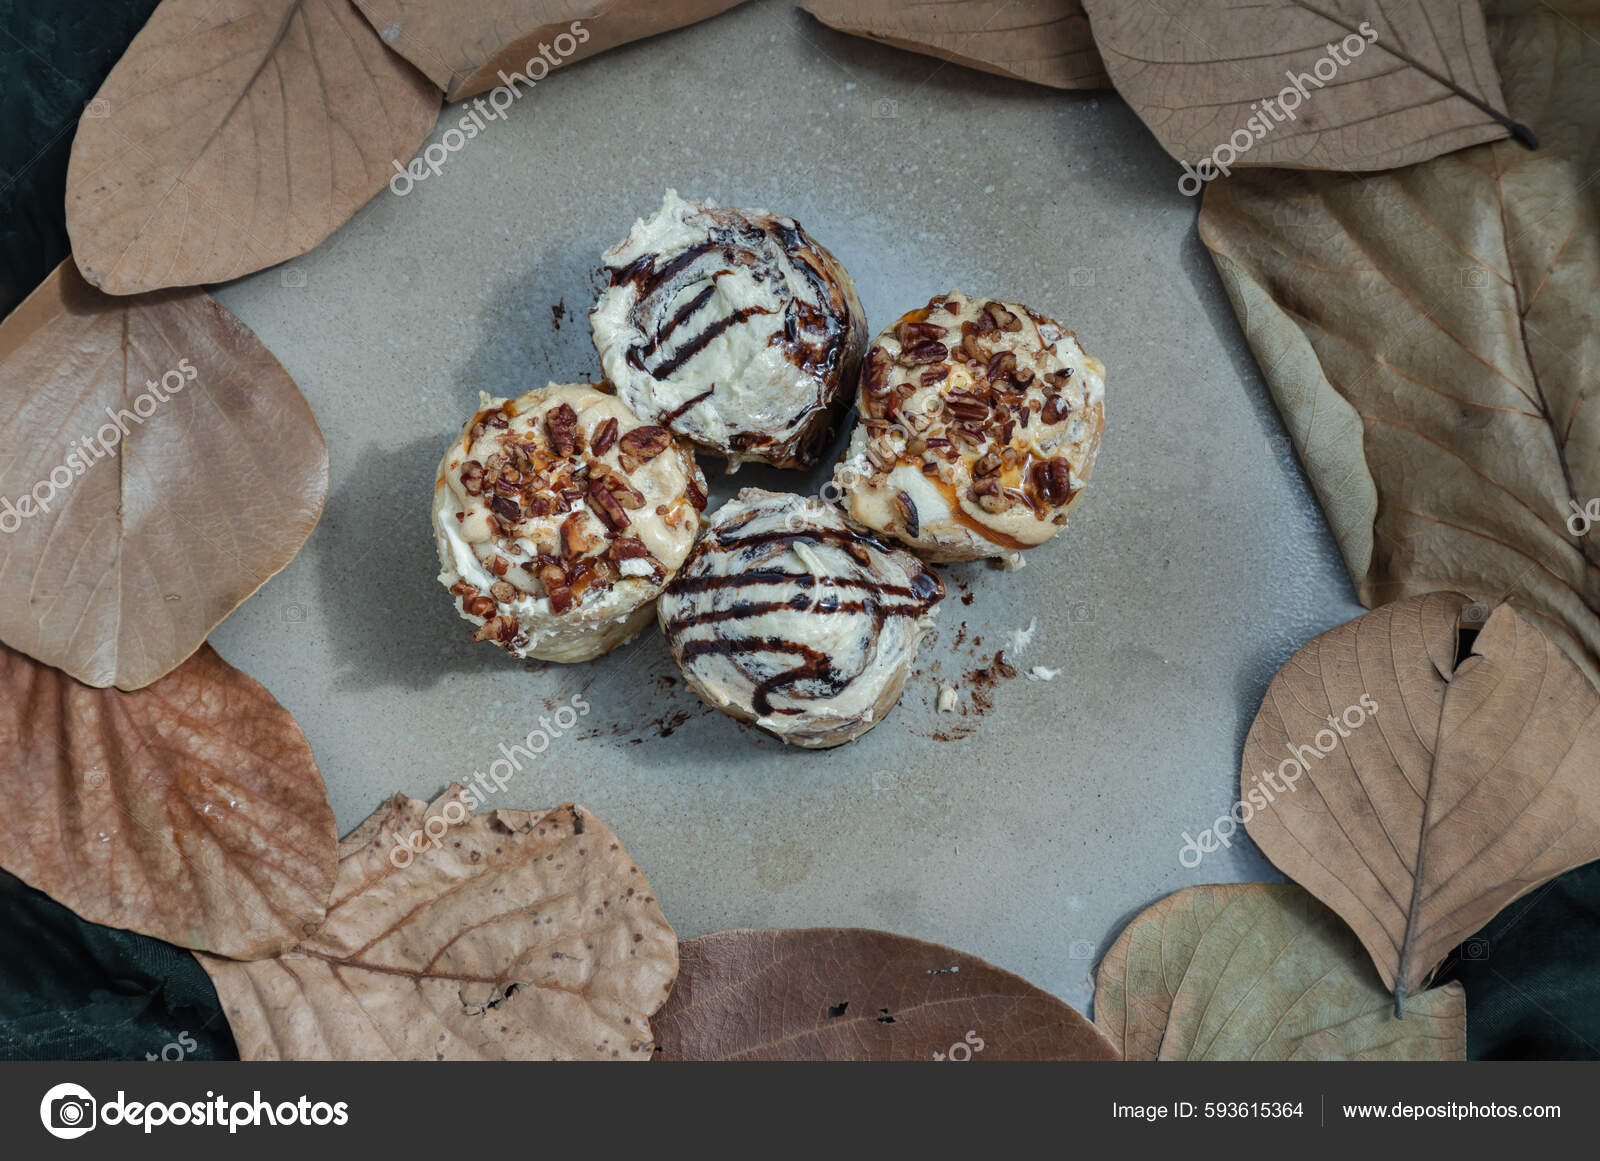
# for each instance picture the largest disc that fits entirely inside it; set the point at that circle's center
(789, 619)
(559, 516)
(732, 327)
(980, 422)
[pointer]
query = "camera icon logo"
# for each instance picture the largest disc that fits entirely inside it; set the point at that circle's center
(885, 109)
(1474, 277)
(68, 1111)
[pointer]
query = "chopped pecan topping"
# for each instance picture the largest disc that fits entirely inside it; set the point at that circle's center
(908, 513)
(912, 333)
(604, 436)
(503, 591)
(935, 375)
(496, 629)
(576, 540)
(499, 566)
(472, 478)
(987, 465)
(1003, 318)
(506, 508)
(1002, 366)
(561, 425)
(927, 351)
(1053, 481)
(477, 605)
(561, 599)
(627, 548)
(696, 494)
(644, 444)
(1059, 379)
(875, 375)
(970, 347)
(1055, 409)
(966, 407)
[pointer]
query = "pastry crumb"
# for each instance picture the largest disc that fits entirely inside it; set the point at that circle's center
(947, 698)
(1043, 673)
(1019, 639)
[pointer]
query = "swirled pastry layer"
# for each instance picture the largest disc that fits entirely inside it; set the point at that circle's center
(980, 421)
(559, 516)
(734, 328)
(787, 618)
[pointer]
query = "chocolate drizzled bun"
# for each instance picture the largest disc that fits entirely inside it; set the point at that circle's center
(559, 516)
(980, 420)
(787, 618)
(734, 328)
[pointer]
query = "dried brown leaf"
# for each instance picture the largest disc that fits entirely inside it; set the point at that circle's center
(1201, 71)
(191, 810)
(502, 936)
(848, 994)
(212, 491)
(1430, 337)
(463, 48)
(1043, 41)
(1434, 793)
(1260, 971)
(235, 134)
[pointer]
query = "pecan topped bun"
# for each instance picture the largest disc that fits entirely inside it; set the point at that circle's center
(980, 420)
(734, 328)
(789, 619)
(559, 517)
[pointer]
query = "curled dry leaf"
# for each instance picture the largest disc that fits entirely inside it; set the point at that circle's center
(1434, 792)
(1430, 337)
(1418, 84)
(190, 810)
(1260, 971)
(849, 994)
(501, 936)
(464, 48)
(119, 552)
(235, 134)
(1043, 41)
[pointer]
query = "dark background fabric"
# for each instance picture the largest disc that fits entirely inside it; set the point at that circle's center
(1533, 974)
(71, 990)
(53, 56)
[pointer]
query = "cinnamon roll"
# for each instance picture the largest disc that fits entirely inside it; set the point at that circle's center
(734, 328)
(980, 420)
(789, 619)
(559, 516)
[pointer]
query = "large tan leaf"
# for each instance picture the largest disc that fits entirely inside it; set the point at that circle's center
(463, 48)
(1260, 971)
(191, 810)
(234, 134)
(144, 548)
(1044, 41)
(501, 936)
(849, 994)
(1430, 337)
(1434, 793)
(1421, 84)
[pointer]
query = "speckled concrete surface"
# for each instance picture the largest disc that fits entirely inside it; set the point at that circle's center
(1195, 566)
